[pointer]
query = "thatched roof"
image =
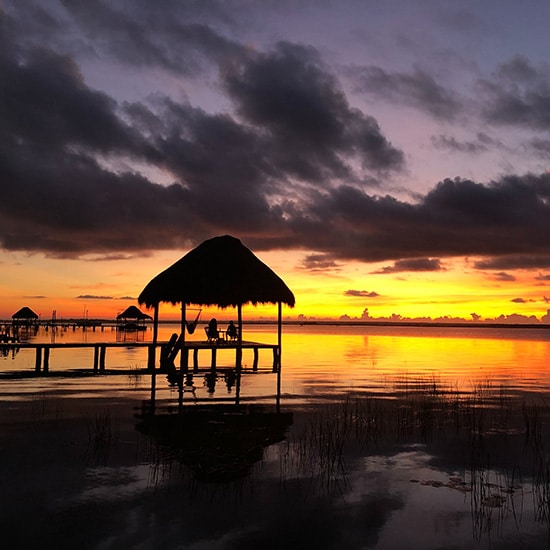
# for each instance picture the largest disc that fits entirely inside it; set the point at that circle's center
(132, 312)
(220, 271)
(25, 313)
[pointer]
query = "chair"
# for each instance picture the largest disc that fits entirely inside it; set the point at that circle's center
(232, 332)
(211, 337)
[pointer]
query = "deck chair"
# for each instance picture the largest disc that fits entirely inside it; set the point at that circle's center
(211, 337)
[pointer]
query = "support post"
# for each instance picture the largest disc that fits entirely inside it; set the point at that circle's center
(46, 359)
(151, 357)
(196, 359)
(96, 358)
(279, 349)
(239, 353)
(184, 358)
(38, 360)
(102, 351)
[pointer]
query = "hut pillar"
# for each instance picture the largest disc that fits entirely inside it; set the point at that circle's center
(278, 358)
(183, 356)
(153, 356)
(239, 354)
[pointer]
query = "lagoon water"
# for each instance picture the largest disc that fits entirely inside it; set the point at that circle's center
(396, 437)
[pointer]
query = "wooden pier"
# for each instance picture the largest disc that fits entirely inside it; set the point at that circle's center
(43, 349)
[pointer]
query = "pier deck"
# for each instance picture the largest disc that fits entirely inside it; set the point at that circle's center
(43, 349)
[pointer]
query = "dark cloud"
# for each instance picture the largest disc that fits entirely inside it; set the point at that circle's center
(291, 95)
(514, 262)
(46, 107)
(319, 262)
(520, 301)
(62, 142)
(292, 166)
(417, 89)
(361, 293)
(93, 297)
(179, 38)
(503, 276)
(481, 144)
(517, 94)
(413, 264)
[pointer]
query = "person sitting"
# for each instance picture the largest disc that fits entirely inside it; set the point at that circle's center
(212, 330)
(231, 331)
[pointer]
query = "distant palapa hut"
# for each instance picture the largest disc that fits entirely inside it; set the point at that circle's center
(25, 317)
(132, 318)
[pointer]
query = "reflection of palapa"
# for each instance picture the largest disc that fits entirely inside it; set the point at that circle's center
(218, 443)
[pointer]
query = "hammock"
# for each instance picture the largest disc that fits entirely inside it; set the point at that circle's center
(192, 325)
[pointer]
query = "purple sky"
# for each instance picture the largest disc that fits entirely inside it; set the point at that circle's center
(401, 131)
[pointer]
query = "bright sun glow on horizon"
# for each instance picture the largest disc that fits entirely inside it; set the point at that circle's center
(102, 289)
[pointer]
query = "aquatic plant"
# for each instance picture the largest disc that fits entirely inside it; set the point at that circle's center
(101, 435)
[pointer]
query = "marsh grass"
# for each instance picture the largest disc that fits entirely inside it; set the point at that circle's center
(102, 433)
(479, 422)
(44, 408)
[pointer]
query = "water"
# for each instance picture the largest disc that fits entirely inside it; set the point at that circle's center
(397, 437)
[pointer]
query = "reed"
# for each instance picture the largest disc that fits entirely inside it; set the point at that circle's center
(102, 432)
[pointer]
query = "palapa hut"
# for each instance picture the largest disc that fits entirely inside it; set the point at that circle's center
(25, 317)
(219, 272)
(132, 318)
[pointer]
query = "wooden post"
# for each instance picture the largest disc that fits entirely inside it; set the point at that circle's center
(46, 358)
(255, 363)
(279, 334)
(213, 360)
(278, 399)
(184, 360)
(151, 357)
(96, 358)
(239, 353)
(102, 351)
(38, 360)
(196, 359)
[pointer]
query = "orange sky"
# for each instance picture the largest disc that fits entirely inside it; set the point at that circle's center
(102, 289)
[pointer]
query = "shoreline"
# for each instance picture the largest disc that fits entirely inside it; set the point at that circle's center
(107, 323)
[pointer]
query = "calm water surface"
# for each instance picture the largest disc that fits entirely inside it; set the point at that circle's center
(396, 437)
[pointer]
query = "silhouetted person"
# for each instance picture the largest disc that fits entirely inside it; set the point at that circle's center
(213, 328)
(231, 330)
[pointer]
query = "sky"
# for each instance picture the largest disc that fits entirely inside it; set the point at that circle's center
(389, 160)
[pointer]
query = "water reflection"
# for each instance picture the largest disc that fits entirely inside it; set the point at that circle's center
(394, 441)
(217, 444)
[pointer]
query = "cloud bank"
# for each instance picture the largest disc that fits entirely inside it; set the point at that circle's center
(283, 158)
